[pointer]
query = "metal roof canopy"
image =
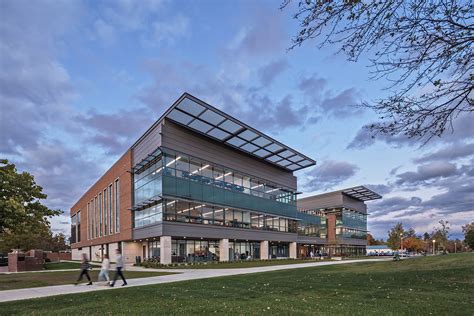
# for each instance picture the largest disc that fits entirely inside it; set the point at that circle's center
(146, 160)
(361, 193)
(205, 119)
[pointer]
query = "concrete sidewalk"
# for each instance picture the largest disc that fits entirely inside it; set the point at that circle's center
(182, 275)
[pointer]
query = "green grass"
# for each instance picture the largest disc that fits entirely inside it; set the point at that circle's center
(61, 265)
(235, 264)
(422, 286)
(32, 279)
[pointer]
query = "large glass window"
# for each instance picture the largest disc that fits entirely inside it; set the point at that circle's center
(149, 215)
(117, 205)
(148, 183)
(100, 215)
(189, 212)
(106, 210)
(204, 172)
(73, 228)
(185, 250)
(110, 208)
(78, 226)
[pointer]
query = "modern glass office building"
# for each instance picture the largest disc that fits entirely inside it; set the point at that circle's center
(200, 185)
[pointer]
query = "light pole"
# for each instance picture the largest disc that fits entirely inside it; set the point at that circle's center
(401, 242)
(434, 241)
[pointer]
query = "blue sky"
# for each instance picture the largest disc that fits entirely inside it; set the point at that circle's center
(81, 80)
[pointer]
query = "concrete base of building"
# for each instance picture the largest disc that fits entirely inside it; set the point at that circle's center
(293, 250)
(264, 250)
(165, 249)
(224, 250)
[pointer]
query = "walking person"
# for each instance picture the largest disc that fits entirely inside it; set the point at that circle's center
(85, 266)
(119, 266)
(104, 270)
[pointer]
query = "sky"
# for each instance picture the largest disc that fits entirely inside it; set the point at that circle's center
(80, 81)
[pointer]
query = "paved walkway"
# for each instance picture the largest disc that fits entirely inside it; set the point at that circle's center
(182, 275)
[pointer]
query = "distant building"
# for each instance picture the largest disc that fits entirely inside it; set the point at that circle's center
(379, 250)
(335, 222)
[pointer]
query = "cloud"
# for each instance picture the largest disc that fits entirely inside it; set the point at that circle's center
(53, 166)
(329, 174)
(463, 129)
(393, 204)
(328, 102)
(271, 71)
(262, 35)
(427, 172)
(253, 105)
(117, 131)
(128, 15)
(450, 152)
(365, 138)
(169, 31)
(379, 188)
(105, 32)
(312, 85)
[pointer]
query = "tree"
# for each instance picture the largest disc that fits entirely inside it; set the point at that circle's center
(413, 243)
(441, 234)
(468, 231)
(426, 236)
(24, 220)
(425, 49)
(394, 235)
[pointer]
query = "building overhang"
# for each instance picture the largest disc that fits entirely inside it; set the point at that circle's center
(203, 118)
(361, 193)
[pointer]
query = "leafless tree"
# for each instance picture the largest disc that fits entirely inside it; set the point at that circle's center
(423, 48)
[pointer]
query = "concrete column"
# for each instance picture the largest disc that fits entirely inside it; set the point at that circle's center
(165, 249)
(293, 248)
(264, 250)
(224, 250)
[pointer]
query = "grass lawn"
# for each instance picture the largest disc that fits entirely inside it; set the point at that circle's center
(420, 286)
(238, 264)
(61, 265)
(26, 280)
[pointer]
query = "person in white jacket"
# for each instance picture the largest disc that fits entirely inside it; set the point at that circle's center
(104, 270)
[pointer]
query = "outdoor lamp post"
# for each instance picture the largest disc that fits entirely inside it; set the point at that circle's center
(434, 241)
(401, 242)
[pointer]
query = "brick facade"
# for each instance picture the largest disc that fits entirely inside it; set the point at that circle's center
(120, 170)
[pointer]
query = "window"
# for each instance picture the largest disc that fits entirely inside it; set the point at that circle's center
(88, 220)
(100, 215)
(96, 217)
(111, 217)
(117, 205)
(149, 215)
(73, 229)
(78, 223)
(105, 213)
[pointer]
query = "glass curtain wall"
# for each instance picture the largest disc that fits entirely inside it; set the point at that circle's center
(190, 212)
(187, 250)
(190, 168)
(278, 250)
(147, 182)
(244, 250)
(351, 224)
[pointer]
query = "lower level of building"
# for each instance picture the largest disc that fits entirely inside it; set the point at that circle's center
(169, 249)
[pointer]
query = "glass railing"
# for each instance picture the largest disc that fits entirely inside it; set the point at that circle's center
(200, 190)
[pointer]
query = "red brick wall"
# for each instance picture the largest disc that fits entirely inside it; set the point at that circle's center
(119, 170)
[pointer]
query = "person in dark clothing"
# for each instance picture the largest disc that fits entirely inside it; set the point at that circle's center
(119, 266)
(85, 266)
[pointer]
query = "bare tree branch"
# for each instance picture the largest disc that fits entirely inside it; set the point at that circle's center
(424, 49)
